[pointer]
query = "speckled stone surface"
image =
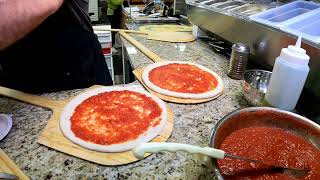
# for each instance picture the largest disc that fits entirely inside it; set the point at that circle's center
(192, 125)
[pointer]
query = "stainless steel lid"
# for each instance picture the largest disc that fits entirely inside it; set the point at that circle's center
(240, 47)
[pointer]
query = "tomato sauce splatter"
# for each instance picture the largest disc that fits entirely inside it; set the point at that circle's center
(114, 117)
(184, 78)
(272, 145)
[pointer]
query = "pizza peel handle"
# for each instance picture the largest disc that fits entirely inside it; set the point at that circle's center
(155, 147)
(142, 48)
(102, 28)
(29, 98)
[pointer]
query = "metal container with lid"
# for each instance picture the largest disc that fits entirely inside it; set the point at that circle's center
(238, 60)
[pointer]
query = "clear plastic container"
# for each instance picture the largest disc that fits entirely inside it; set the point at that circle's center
(279, 16)
(306, 26)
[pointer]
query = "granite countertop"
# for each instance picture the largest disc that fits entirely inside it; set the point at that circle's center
(192, 125)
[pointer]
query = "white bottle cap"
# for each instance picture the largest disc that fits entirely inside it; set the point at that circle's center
(295, 54)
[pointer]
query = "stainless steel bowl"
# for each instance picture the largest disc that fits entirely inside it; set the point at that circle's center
(254, 86)
(263, 116)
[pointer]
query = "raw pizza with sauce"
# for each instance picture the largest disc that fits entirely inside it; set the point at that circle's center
(182, 79)
(113, 119)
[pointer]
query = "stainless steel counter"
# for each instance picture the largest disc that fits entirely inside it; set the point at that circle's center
(265, 44)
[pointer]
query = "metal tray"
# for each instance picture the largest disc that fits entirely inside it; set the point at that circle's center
(214, 2)
(200, 1)
(250, 9)
(229, 5)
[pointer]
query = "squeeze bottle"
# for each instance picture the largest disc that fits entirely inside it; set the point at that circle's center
(288, 77)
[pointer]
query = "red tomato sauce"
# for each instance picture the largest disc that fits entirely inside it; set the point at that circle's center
(114, 117)
(183, 78)
(272, 145)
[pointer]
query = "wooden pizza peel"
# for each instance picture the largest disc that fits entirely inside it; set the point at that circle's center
(151, 55)
(138, 73)
(175, 37)
(163, 35)
(155, 58)
(8, 166)
(165, 28)
(168, 33)
(103, 28)
(52, 136)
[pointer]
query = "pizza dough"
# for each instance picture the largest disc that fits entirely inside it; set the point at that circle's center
(165, 28)
(86, 119)
(171, 36)
(190, 80)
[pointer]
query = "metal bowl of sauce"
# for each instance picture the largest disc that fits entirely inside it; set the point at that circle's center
(265, 118)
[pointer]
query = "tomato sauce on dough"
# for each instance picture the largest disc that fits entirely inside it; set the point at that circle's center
(184, 78)
(114, 117)
(272, 145)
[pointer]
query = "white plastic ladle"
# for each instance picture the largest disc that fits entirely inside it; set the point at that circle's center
(155, 147)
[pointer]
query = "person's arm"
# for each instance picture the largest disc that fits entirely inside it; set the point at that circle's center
(19, 17)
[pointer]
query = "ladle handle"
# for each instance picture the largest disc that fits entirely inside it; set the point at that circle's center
(155, 147)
